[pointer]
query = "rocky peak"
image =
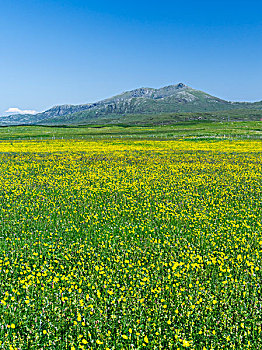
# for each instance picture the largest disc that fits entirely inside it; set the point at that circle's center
(181, 86)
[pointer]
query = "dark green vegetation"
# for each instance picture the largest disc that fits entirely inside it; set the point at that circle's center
(81, 118)
(145, 106)
(191, 130)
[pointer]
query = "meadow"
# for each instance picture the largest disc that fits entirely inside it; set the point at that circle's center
(130, 244)
(193, 130)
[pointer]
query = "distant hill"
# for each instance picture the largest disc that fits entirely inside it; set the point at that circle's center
(174, 99)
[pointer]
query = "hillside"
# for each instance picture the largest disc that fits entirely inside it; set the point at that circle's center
(178, 98)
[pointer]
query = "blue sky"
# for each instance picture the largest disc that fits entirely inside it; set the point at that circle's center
(56, 52)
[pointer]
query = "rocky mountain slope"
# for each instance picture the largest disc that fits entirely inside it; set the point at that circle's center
(142, 101)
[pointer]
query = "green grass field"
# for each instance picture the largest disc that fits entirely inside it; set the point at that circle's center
(192, 130)
(142, 241)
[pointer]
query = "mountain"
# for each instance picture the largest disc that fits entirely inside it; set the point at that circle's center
(177, 98)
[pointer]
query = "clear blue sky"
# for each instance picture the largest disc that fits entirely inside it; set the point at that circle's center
(61, 51)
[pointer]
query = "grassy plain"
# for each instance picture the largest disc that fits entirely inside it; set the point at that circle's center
(130, 243)
(188, 130)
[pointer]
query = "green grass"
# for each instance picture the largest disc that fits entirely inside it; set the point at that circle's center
(188, 130)
(131, 247)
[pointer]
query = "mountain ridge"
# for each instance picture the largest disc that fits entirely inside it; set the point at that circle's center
(178, 98)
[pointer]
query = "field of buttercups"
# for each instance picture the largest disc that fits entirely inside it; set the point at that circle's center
(130, 245)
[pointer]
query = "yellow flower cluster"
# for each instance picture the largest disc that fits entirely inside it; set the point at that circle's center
(130, 245)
